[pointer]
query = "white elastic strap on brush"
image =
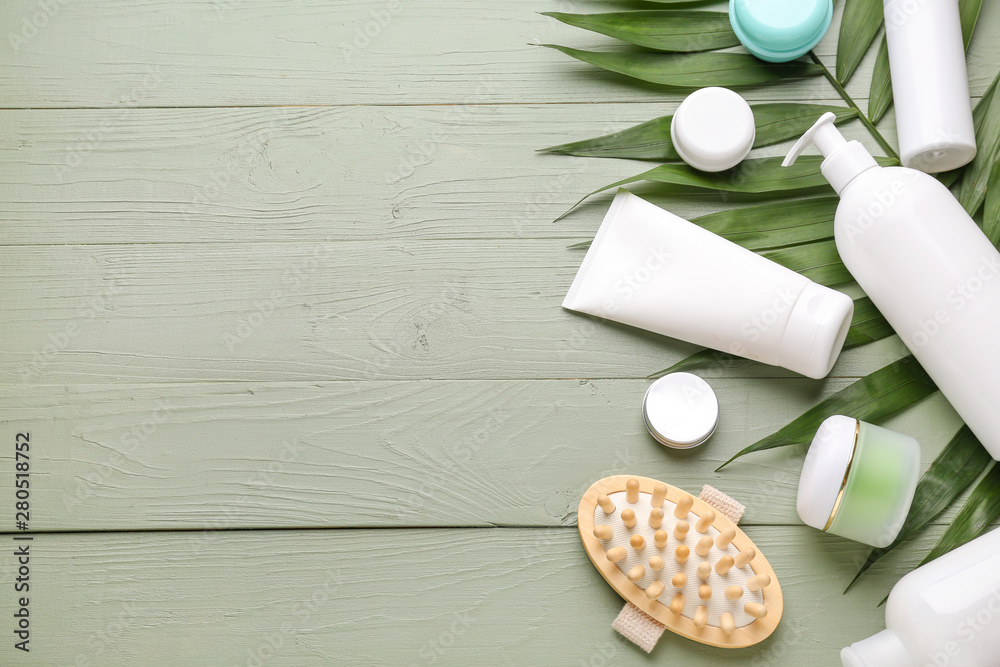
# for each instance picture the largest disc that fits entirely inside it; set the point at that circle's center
(636, 625)
(728, 507)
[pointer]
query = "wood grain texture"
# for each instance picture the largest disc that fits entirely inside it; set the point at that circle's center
(401, 597)
(257, 275)
(308, 174)
(358, 454)
(268, 52)
(321, 311)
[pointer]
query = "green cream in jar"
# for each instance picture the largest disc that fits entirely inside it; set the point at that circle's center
(858, 480)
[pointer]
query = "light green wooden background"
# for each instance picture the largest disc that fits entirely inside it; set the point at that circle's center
(281, 311)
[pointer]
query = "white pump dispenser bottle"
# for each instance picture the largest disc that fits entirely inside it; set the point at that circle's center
(926, 266)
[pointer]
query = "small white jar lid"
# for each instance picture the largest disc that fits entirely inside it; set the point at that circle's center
(713, 129)
(680, 410)
(825, 469)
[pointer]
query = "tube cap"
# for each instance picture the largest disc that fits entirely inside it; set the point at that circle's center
(680, 410)
(780, 30)
(816, 330)
(884, 649)
(824, 468)
(844, 159)
(713, 129)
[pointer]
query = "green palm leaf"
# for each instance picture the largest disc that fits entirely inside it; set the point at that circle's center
(699, 359)
(979, 511)
(758, 177)
(693, 70)
(867, 325)
(880, 94)
(861, 21)
(776, 122)
(955, 468)
(819, 262)
(969, 11)
(754, 177)
(871, 398)
(986, 117)
(991, 212)
(662, 30)
(774, 225)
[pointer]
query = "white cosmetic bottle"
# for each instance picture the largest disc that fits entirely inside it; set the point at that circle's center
(927, 267)
(943, 613)
(930, 84)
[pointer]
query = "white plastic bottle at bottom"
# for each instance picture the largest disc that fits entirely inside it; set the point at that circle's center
(946, 612)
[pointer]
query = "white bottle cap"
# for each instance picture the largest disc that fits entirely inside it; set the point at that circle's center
(816, 330)
(680, 410)
(824, 469)
(844, 159)
(930, 84)
(713, 129)
(884, 649)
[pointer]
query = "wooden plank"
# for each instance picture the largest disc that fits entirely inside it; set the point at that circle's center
(357, 454)
(307, 174)
(256, 52)
(402, 597)
(320, 311)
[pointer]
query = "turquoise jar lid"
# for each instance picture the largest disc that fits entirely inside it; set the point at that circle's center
(780, 30)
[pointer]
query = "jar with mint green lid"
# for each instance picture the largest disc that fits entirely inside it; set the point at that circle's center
(858, 480)
(780, 30)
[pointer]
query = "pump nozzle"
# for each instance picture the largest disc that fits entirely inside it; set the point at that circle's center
(844, 159)
(823, 133)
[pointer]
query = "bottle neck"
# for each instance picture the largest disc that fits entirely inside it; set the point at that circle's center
(884, 649)
(844, 166)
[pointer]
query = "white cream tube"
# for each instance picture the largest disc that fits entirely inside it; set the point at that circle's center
(651, 269)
